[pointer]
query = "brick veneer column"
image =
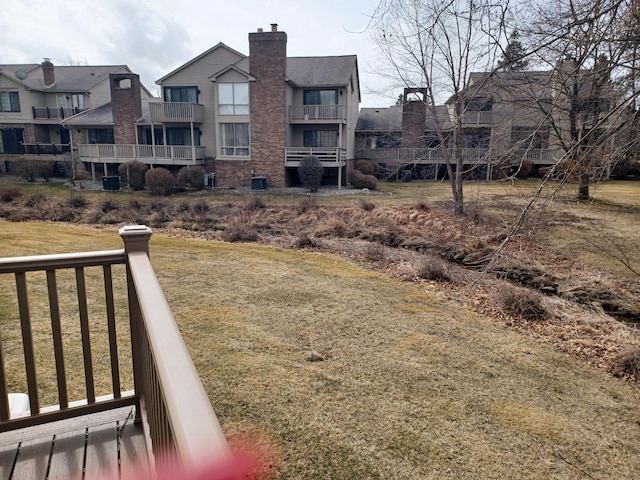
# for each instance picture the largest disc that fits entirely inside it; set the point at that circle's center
(268, 104)
(414, 114)
(126, 106)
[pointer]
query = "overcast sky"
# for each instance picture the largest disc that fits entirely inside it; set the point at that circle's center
(153, 37)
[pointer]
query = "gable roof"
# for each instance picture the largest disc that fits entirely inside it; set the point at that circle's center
(195, 59)
(321, 71)
(234, 68)
(68, 78)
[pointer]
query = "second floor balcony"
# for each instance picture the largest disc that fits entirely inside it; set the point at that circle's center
(477, 117)
(54, 113)
(176, 112)
(317, 113)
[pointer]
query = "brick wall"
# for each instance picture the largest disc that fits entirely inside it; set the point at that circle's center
(126, 106)
(414, 114)
(268, 105)
(234, 173)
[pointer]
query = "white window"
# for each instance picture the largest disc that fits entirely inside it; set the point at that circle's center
(77, 101)
(233, 98)
(234, 139)
(62, 100)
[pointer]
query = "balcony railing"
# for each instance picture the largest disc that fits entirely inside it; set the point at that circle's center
(477, 117)
(46, 148)
(168, 395)
(176, 112)
(330, 156)
(428, 156)
(317, 113)
(54, 113)
(150, 154)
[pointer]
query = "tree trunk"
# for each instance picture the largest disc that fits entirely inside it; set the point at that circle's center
(583, 188)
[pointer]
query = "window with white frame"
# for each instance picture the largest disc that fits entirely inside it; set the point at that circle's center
(233, 98)
(234, 139)
(9, 101)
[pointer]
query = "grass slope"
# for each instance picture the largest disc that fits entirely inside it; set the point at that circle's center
(413, 383)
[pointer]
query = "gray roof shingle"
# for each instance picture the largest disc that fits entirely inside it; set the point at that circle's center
(73, 78)
(321, 71)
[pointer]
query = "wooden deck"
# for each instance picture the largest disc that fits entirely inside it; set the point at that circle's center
(106, 445)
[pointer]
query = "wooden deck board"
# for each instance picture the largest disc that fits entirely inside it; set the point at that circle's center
(102, 451)
(67, 455)
(7, 458)
(62, 449)
(33, 459)
(133, 451)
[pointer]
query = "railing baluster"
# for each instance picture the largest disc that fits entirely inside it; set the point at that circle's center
(84, 329)
(111, 323)
(4, 399)
(27, 341)
(56, 330)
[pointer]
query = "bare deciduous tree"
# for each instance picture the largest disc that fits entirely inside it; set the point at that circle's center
(435, 45)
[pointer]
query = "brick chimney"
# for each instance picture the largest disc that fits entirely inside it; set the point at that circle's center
(126, 106)
(268, 104)
(47, 72)
(414, 115)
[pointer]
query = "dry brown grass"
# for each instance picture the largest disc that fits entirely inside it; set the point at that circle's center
(413, 384)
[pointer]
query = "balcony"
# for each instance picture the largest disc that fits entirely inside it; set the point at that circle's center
(167, 415)
(435, 156)
(477, 117)
(329, 156)
(149, 154)
(53, 149)
(317, 113)
(54, 113)
(176, 112)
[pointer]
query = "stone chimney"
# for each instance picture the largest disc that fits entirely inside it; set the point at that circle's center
(268, 104)
(414, 115)
(126, 106)
(47, 72)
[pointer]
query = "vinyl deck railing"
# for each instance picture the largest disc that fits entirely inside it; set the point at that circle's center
(335, 155)
(470, 155)
(170, 399)
(150, 154)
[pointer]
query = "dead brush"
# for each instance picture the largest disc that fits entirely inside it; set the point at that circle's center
(374, 252)
(107, 206)
(305, 241)
(306, 204)
(522, 303)
(35, 200)
(9, 194)
(239, 232)
(77, 201)
(627, 363)
(366, 205)
(255, 203)
(434, 268)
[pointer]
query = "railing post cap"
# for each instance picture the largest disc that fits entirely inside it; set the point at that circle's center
(135, 237)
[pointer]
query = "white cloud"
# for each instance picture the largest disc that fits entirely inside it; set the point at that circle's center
(155, 36)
